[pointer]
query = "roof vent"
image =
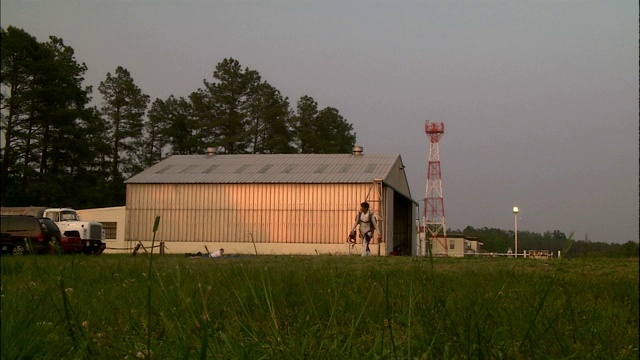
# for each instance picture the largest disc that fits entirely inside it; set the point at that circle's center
(211, 151)
(357, 150)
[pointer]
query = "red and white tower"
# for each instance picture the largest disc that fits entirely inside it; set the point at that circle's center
(433, 219)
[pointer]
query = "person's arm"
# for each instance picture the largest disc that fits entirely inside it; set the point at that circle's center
(374, 224)
(355, 224)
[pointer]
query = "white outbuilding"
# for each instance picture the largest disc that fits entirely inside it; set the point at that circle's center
(271, 203)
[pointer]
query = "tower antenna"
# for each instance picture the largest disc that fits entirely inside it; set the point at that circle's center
(433, 220)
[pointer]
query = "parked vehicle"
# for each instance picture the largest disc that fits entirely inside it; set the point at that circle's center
(28, 234)
(71, 245)
(91, 232)
(5, 238)
(67, 244)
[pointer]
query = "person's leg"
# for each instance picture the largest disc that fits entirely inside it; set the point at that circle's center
(367, 239)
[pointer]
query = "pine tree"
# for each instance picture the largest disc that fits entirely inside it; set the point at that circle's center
(322, 132)
(269, 122)
(229, 98)
(124, 106)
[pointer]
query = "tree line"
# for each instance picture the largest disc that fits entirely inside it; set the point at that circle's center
(62, 151)
(500, 241)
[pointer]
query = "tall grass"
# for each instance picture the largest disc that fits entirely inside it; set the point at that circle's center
(302, 307)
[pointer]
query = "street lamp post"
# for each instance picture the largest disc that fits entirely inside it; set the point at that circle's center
(515, 215)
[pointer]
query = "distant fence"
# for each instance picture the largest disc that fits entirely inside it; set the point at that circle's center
(540, 254)
(531, 254)
(135, 249)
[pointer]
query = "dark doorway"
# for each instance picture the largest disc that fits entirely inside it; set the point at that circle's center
(401, 225)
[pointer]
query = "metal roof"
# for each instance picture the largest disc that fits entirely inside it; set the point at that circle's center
(269, 168)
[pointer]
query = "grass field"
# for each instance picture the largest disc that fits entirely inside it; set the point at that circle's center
(317, 307)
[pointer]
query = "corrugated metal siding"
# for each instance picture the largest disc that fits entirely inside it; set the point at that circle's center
(264, 213)
(285, 168)
(397, 179)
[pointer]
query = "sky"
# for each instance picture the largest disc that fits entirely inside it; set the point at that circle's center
(539, 99)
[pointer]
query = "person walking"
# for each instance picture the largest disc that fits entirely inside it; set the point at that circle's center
(366, 220)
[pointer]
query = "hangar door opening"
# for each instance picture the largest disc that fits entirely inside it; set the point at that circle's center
(402, 225)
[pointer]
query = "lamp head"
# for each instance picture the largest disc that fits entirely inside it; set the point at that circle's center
(515, 209)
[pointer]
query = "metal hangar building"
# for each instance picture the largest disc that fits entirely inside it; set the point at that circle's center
(271, 203)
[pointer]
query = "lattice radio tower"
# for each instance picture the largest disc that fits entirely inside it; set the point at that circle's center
(433, 219)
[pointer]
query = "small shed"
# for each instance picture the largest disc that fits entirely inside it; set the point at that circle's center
(455, 245)
(271, 203)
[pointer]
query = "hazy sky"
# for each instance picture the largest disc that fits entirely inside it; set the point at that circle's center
(539, 98)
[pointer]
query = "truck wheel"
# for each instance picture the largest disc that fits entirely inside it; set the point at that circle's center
(18, 249)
